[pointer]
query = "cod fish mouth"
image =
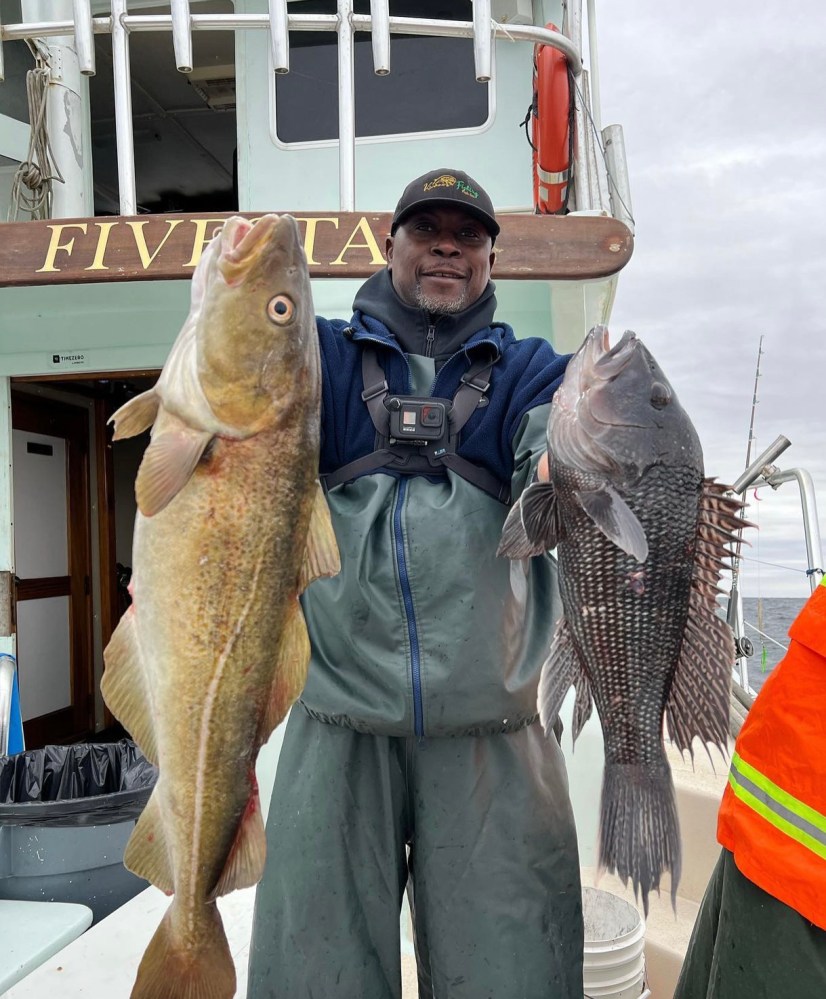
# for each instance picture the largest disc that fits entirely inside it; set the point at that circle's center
(243, 243)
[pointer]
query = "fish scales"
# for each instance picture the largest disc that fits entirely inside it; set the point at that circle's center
(640, 536)
(231, 527)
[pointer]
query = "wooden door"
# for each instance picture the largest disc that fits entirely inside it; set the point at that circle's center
(53, 618)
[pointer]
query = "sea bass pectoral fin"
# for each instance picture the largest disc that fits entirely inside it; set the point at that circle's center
(617, 521)
(198, 967)
(167, 465)
(532, 525)
(321, 557)
(698, 703)
(146, 853)
(560, 671)
(124, 685)
(135, 416)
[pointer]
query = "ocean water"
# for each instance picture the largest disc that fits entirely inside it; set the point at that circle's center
(773, 617)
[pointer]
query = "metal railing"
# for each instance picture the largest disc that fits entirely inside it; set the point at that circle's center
(760, 473)
(278, 22)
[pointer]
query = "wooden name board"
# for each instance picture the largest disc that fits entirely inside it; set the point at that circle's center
(337, 244)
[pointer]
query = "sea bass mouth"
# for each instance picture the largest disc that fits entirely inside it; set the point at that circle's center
(604, 362)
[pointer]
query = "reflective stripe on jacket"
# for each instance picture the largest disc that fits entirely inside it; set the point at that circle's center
(773, 813)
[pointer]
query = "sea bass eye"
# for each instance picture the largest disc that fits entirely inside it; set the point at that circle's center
(660, 395)
(280, 309)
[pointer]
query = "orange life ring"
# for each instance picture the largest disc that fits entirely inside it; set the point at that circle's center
(551, 121)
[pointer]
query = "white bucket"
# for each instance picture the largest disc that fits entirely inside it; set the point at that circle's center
(614, 936)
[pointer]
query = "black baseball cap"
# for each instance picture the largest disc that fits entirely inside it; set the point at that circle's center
(449, 189)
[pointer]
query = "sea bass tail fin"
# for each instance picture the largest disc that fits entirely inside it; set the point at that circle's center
(698, 703)
(639, 835)
(321, 557)
(617, 521)
(560, 671)
(532, 526)
(135, 416)
(146, 852)
(167, 466)
(172, 968)
(124, 686)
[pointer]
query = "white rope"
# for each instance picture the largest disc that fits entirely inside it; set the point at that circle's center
(32, 185)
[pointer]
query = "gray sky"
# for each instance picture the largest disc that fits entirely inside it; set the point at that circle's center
(724, 116)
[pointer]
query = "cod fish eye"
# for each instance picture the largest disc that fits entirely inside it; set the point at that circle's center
(660, 395)
(280, 309)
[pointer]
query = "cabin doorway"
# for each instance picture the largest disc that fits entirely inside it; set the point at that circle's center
(73, 517)
(50, 458)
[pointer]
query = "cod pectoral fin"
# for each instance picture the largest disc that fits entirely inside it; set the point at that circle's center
(698, 703)
(124, 686)
(135, 416)
(146, 853)
(532, 526)
(321, 557)
(167, 465)
(245, 863)
(560, 671)
(617, 521)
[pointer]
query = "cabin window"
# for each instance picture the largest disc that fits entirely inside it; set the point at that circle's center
(184, 126)
(431, 87)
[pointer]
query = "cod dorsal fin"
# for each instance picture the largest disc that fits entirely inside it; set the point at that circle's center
(698, 703)
(321, 557)
(147, 854)
(135, 416)
(167, 465)
(617, 521)
(124, 686)
(290, 673)
(245, 863)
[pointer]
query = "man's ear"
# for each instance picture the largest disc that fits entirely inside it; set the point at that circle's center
(492, 258)
(388, 249)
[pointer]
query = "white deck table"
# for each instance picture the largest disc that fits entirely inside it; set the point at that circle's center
(32, 932)
(102, 963)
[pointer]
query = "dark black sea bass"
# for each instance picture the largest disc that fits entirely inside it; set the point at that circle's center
(641, 540)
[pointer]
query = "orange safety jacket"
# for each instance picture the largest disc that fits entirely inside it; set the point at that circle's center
(773, 813)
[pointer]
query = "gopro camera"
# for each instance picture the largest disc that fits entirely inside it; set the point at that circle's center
(417, 419)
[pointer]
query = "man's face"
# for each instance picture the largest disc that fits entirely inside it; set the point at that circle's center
(440, 259)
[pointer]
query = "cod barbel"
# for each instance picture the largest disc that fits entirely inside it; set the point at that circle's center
(641, 538)
(231, 526)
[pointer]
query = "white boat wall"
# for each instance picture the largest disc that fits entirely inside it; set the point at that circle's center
(179, 150)
(76, 339)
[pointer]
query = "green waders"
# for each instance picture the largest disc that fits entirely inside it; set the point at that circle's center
(748, 945)
(492, 865)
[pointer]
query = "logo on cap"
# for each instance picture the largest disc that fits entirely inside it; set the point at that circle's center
(448, 180)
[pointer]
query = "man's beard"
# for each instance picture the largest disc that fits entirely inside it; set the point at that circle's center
(440, 306)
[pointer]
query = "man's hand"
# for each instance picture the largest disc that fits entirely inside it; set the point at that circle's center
(543, 469)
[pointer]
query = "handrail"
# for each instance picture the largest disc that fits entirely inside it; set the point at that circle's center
(6, 690)
(181, 23)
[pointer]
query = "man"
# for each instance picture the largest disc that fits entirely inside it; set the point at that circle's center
(413, 757)
(761, 930)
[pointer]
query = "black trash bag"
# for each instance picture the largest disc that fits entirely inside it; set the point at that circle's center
(84, 784)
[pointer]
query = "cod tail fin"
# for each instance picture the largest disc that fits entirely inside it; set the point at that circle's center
(639, 835)
(174, 967)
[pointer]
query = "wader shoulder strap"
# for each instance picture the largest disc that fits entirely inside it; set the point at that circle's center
(428, 460)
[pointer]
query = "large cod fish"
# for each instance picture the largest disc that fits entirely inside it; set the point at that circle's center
(231, 526)
(641, 538)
